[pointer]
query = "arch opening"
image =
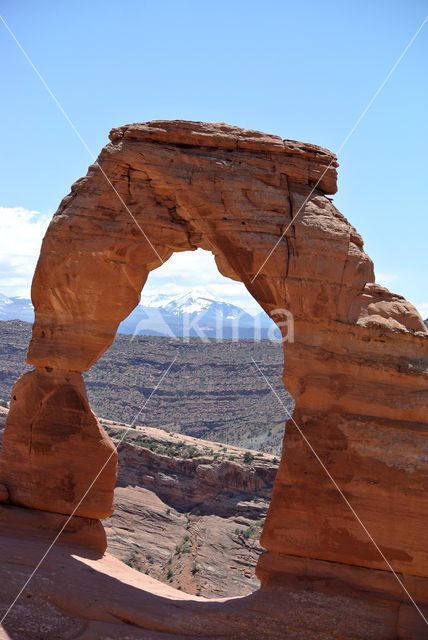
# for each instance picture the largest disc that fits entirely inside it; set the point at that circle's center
(204, 454)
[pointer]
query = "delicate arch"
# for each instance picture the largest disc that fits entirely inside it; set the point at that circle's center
(354, 367)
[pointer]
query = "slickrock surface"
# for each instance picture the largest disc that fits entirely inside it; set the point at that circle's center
(77, 594)
(189, 512)
(357, 365)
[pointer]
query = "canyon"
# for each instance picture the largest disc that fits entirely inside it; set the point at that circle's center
(355, 364)
(188, 512)
(211, 393)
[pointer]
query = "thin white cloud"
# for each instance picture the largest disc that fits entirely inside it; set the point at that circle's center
(385, 279)
(22, 231)
(189, 269)
(21, 234)
(423, 309)
(188, 266)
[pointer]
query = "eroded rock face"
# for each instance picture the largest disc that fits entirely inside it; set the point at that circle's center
(357, 367)
(54, 447)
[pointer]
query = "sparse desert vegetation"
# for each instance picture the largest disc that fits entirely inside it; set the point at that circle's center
(212, 391)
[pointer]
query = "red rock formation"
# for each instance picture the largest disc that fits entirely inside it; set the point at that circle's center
(87, 533)
(356, 368)
(93, 598)
(54, 447)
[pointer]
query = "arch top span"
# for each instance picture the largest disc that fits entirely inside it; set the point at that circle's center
(256, 201)
(357, 366)
(300, 160)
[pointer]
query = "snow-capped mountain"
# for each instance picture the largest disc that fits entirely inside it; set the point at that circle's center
(196, 313)
(195, 299)
(16, 309)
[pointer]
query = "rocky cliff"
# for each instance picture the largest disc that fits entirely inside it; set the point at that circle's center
(188, 512)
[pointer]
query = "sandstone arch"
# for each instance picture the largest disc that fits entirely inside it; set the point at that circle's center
(357, 367)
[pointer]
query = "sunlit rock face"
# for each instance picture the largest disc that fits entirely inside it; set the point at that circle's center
(355, 362)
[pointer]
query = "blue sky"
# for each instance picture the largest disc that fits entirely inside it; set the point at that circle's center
(303, 71)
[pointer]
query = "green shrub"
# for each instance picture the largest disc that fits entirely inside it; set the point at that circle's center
(134, 562)
(251, 532)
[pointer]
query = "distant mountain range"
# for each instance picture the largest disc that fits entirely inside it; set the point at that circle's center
(16, 309)
(212, 390)
(197, 313)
